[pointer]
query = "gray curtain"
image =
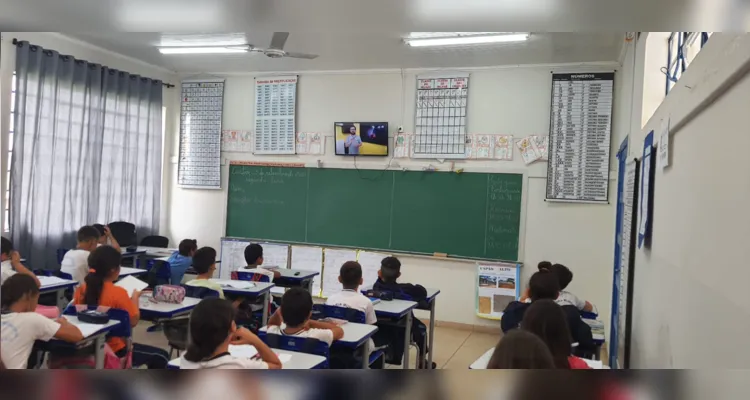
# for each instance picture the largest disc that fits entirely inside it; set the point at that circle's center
(87, 149)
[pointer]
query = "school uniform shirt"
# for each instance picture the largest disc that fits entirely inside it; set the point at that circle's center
(223, 361)
(416, 292)
(19, 332)
(6, 271)
(569, 299)
(206, 284)
(178, 264)
(114, 297)
(348, 298)
(324, 335)
(76, 263)
(259, 270)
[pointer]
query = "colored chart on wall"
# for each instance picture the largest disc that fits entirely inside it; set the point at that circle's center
(579, 139)
(199, 163)
(497, 286)
(441, 116)
(275, 108)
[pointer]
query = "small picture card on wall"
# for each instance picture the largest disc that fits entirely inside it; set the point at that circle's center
(529, 151)
(503, 147)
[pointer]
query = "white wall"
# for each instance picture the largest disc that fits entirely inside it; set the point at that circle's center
(503, 100)
(690, 300)
(84, 51)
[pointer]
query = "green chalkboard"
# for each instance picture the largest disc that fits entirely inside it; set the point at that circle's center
(473, 215)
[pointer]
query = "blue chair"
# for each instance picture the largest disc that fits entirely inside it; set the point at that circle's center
(61, 254)
(159, 273)
(298, 344)
(350, 315)
(199, 292)
(250, 276)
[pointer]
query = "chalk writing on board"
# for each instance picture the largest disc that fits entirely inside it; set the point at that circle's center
(255, 200)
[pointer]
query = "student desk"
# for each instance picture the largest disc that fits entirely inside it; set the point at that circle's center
(135, 255)
(98, 337)
(355, 336)
(156, 251)
(294, 278)
(431, 295)
(151, 311)
(297, 360)
(481, 362)
(261, 289)
(127, 271)
(598, 337)
(52, 284)
(398, 309)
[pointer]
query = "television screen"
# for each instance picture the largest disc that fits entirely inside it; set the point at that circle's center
(361, 138)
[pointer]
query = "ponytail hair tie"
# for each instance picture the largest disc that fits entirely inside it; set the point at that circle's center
(92, 271)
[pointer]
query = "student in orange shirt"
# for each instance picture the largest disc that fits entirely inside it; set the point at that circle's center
(99, 289)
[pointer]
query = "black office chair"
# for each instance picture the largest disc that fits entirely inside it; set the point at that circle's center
(155, 241)
(124, 232)
(176, 332)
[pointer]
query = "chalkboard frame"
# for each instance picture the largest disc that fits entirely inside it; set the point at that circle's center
(343, 165)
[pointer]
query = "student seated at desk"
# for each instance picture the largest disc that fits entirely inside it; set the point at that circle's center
(76, 261)
(11, 263)
(212, 330)
(204, 263)
(182, 259)
(390, 271)
(21, 326)
(106, 237)
(99, 289)
(546, 319)
(293, 319)
(564, 277)
(544, 285)
(254, 260)
(350, 277)
(519, 349)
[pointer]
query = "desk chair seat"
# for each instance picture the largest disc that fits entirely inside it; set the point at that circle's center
(155, 241)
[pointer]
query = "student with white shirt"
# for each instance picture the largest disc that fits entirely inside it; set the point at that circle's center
(21, 326)
(212, 330)
(350, 277)
(565, 298)
(11, 263)
(293, 319)
(75, 262)
(254, 260)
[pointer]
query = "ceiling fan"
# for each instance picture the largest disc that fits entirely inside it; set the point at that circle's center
(276, 49)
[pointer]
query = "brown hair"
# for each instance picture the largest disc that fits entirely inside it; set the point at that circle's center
(520, 349)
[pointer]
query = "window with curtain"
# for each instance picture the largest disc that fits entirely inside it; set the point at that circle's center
(6, 216)
(87, 149)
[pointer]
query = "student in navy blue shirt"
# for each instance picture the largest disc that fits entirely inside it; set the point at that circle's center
(182, 259)
(390, 271)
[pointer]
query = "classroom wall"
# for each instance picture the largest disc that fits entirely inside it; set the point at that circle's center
(513, 100)
(84, 51)
(690, 299)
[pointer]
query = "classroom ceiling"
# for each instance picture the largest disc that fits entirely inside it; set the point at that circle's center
(365, 50)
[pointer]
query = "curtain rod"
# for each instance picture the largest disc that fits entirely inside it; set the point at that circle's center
(165, 84)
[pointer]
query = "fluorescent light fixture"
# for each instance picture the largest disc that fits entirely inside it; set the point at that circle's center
(465, 40)
(204, 50)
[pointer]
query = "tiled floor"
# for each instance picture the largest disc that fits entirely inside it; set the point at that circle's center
(454, 348)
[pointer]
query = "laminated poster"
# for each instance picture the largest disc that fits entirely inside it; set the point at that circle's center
(497, 286)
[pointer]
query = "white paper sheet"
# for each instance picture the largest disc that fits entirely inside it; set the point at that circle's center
(334, 259)
(529, 151)
(503, 147)
(131, 284)
(308, 258)
(244, 350)
(284, 357)
(370, 262)
(51, 280)
(275, 255)
(234, 284)
(85, 328)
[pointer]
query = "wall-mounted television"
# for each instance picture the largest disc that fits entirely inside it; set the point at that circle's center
(361, 138)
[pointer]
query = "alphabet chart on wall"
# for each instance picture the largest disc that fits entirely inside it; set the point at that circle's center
(275, 107)
(440, 119)
(199, 163)
(580, 131)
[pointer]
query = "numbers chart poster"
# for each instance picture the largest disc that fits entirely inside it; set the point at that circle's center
(579, 140)
(275, 108)
(199, 163)
(497, 286)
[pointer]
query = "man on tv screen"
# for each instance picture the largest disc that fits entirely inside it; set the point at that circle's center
(353, 142)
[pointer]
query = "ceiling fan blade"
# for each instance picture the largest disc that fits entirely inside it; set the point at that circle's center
(301, 55)
(278, 40)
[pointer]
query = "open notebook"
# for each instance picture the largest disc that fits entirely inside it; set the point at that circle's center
(248, 351)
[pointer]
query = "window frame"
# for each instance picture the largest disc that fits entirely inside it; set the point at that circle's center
(679, 54)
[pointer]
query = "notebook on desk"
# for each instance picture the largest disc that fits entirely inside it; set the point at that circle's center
(374, 300)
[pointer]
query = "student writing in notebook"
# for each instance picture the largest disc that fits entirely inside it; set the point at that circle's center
(293, 319)
(212, 330)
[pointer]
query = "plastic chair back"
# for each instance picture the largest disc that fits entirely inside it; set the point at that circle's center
(250, 276)
(159, 273)
(199, 292)
(124, 232)
(295, 343)
(344, 313)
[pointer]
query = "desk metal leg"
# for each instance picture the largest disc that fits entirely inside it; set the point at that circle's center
(61, 300)
(407, 340)
(99, 352)
(430, 347)
(265, 308)
(366, 354)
